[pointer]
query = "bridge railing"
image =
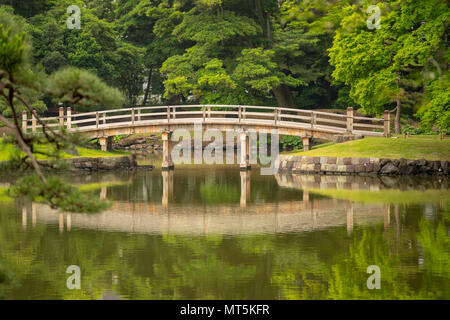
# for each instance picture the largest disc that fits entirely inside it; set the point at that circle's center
(246, 115)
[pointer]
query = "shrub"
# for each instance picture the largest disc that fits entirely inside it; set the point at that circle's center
(291, 142)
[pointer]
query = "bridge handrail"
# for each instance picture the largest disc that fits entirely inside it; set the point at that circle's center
(239, 113)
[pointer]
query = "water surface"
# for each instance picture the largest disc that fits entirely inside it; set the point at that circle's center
(217, 233)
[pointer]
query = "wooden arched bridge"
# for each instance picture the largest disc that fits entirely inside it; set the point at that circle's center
(287, 121)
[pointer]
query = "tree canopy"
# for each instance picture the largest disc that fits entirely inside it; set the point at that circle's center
(395, 63)
(292, 53)
(19, 84)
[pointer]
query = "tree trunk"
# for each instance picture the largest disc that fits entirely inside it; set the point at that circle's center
(397, 116)
(264, 21)
(282, 93)
(269, 31)
(284, 97)
(147, 90)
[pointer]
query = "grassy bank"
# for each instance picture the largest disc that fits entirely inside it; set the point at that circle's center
(385, 196)
(389, 148)
(6, 150)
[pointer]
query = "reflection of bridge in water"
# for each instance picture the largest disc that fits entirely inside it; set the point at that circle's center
(305, 214)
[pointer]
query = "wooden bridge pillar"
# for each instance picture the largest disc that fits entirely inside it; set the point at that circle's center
(306, 143)
(105, 143)
(167, 151)
(245, 151)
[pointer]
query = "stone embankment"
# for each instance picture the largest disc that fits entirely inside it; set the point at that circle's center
(361, 166)
(104, 164)
(139, 144)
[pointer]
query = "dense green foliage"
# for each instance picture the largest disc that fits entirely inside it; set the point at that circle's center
(294, 53)
(404, 63)
(21, 85)
(291, 142)
(55, 192)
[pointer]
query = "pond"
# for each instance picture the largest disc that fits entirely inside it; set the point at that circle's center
(218, 233)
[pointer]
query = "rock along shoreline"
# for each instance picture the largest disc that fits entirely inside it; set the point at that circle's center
(360, 166)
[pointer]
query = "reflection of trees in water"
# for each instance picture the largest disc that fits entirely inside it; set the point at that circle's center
(213, 192)
(5, 280)
(199, 186)
(322, 264)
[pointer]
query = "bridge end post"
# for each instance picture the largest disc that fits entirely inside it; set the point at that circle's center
(167, 163)
(387, 123)
(245, 151)
(69, 118)
(61, 116)
(33, 121)
(24, 121)
(306, 143)
(350, 120)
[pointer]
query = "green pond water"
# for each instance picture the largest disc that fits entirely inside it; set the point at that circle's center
(218, 233)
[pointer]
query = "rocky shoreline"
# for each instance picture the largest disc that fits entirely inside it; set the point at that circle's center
(361, 166)
(104, 164)
(123, 163)
(91, 164)
(139, 145)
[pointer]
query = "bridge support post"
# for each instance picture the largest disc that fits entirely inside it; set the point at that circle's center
(105, 143)
(245, 151)
(167, 151)
(306, 143)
